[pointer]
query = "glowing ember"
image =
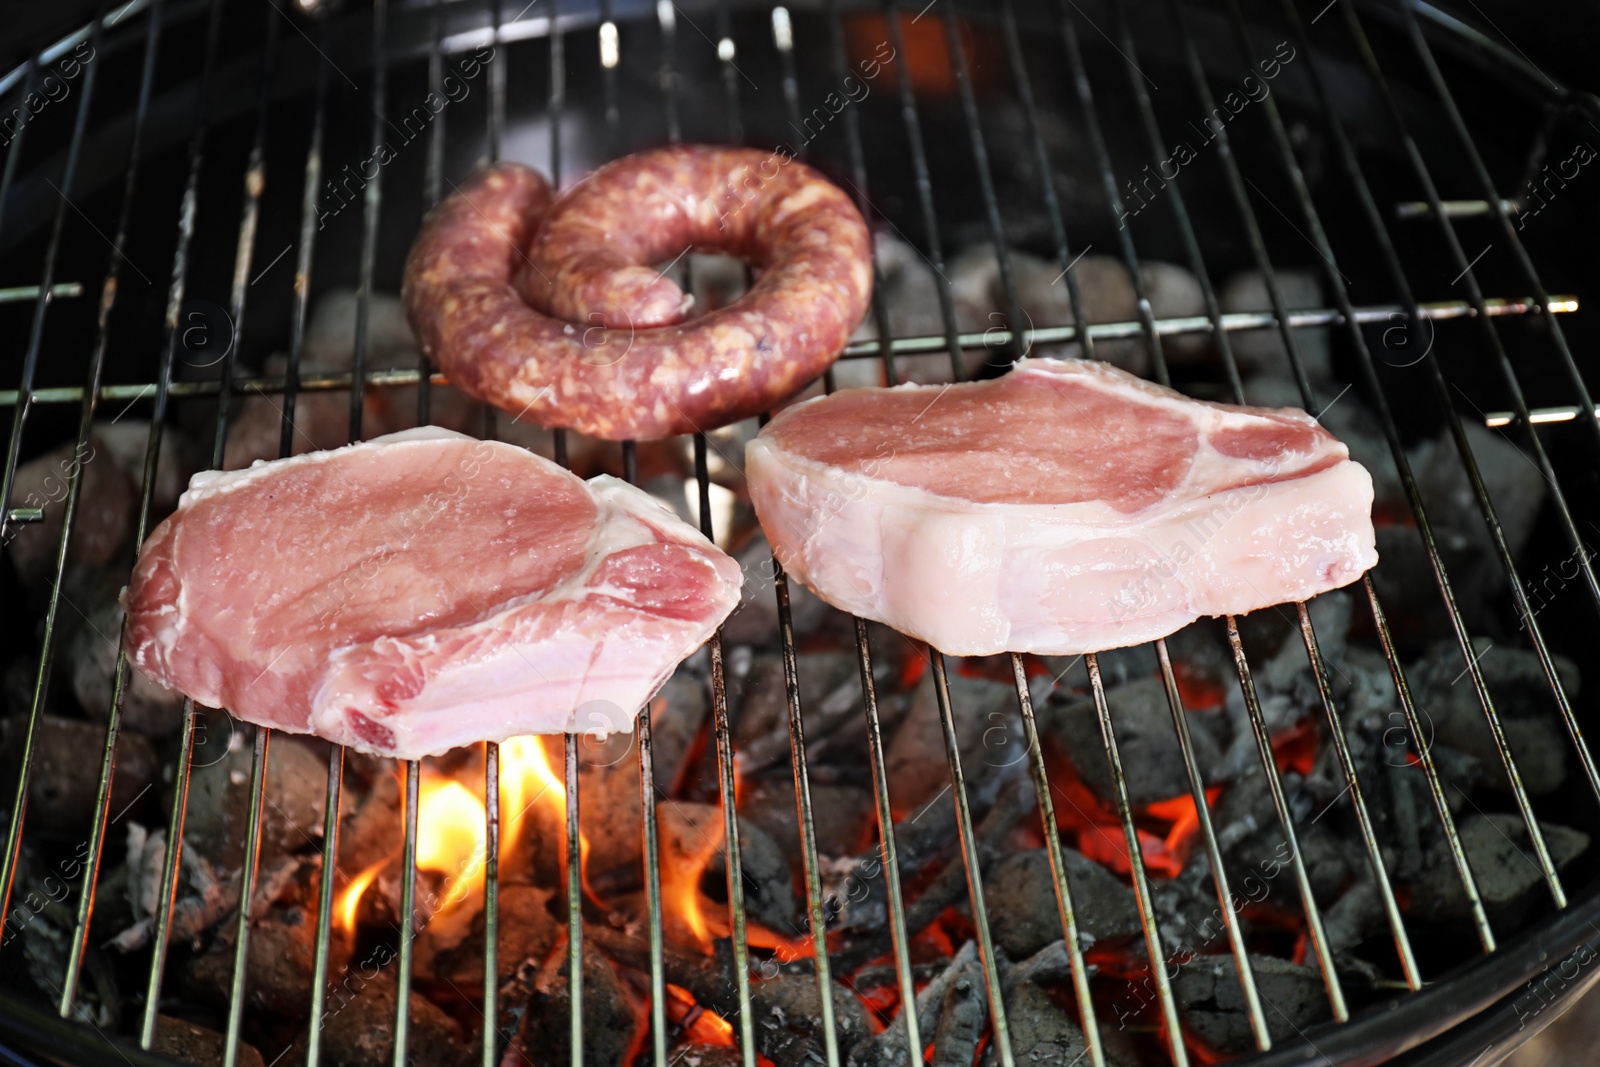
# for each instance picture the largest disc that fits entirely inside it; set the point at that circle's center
(700, 1026)
(1295, 749)
(1167, 829)
(1198, 690)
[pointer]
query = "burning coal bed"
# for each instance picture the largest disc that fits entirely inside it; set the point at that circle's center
(532, 1021)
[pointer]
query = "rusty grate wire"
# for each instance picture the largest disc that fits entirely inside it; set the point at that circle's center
(600, 29)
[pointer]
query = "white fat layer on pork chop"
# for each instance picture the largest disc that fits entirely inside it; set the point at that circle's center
(1064, 508)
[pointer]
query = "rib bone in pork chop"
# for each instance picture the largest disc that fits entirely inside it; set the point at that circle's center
(422, 591)
(1064, 508)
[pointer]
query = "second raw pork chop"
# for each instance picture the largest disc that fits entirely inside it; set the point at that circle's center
(421, 591)
(1067, 507)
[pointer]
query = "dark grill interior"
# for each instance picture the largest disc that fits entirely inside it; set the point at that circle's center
(227, 167)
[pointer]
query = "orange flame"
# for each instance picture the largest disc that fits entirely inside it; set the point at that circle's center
(688, 848)
(526, 778)
(451, 836)
(680, 889)
(452, 829)
(351, 897)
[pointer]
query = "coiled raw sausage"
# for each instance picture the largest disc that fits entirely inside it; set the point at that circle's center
(568, 325)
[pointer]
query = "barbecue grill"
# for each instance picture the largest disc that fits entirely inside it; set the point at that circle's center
(1393, 147)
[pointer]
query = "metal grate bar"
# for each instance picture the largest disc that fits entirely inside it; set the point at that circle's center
(930, 218)
(247, 892)
(1335, 280)
(180, 268)
(408, 913)
(1041, 160)
(980, 160)
(254, 179)
(886, 849)
(556, 106)
(1258, 250)
(169, 877)
(723, 734)
(328, 877)
(325, 886)
(666, 77)
(875, 348)
(1180, 211)
(857, 180)
(1219, 872)
(497, 87)
(1480, 174)
(652, 886)
(108, 297)
(970, 863)
(491, 901)
(432, 181)
(307, 249)
(1375, 861)
(1369, 838)
(16, 294)
(1108, 178)
(1538, 416)
(726, 51)
(8, 867)
(1232, 922)
(1155, 955)
(493, 137)
(1313, 915)
(1508, 374)
(610, 52)
(372, 200)
(808, 832)
(1058, 871)
(491, 749)
(574, 867)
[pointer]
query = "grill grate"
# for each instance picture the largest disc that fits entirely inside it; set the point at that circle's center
(554, 25)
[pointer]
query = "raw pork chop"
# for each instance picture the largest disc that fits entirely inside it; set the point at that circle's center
(1064, 508)
(421, 591)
